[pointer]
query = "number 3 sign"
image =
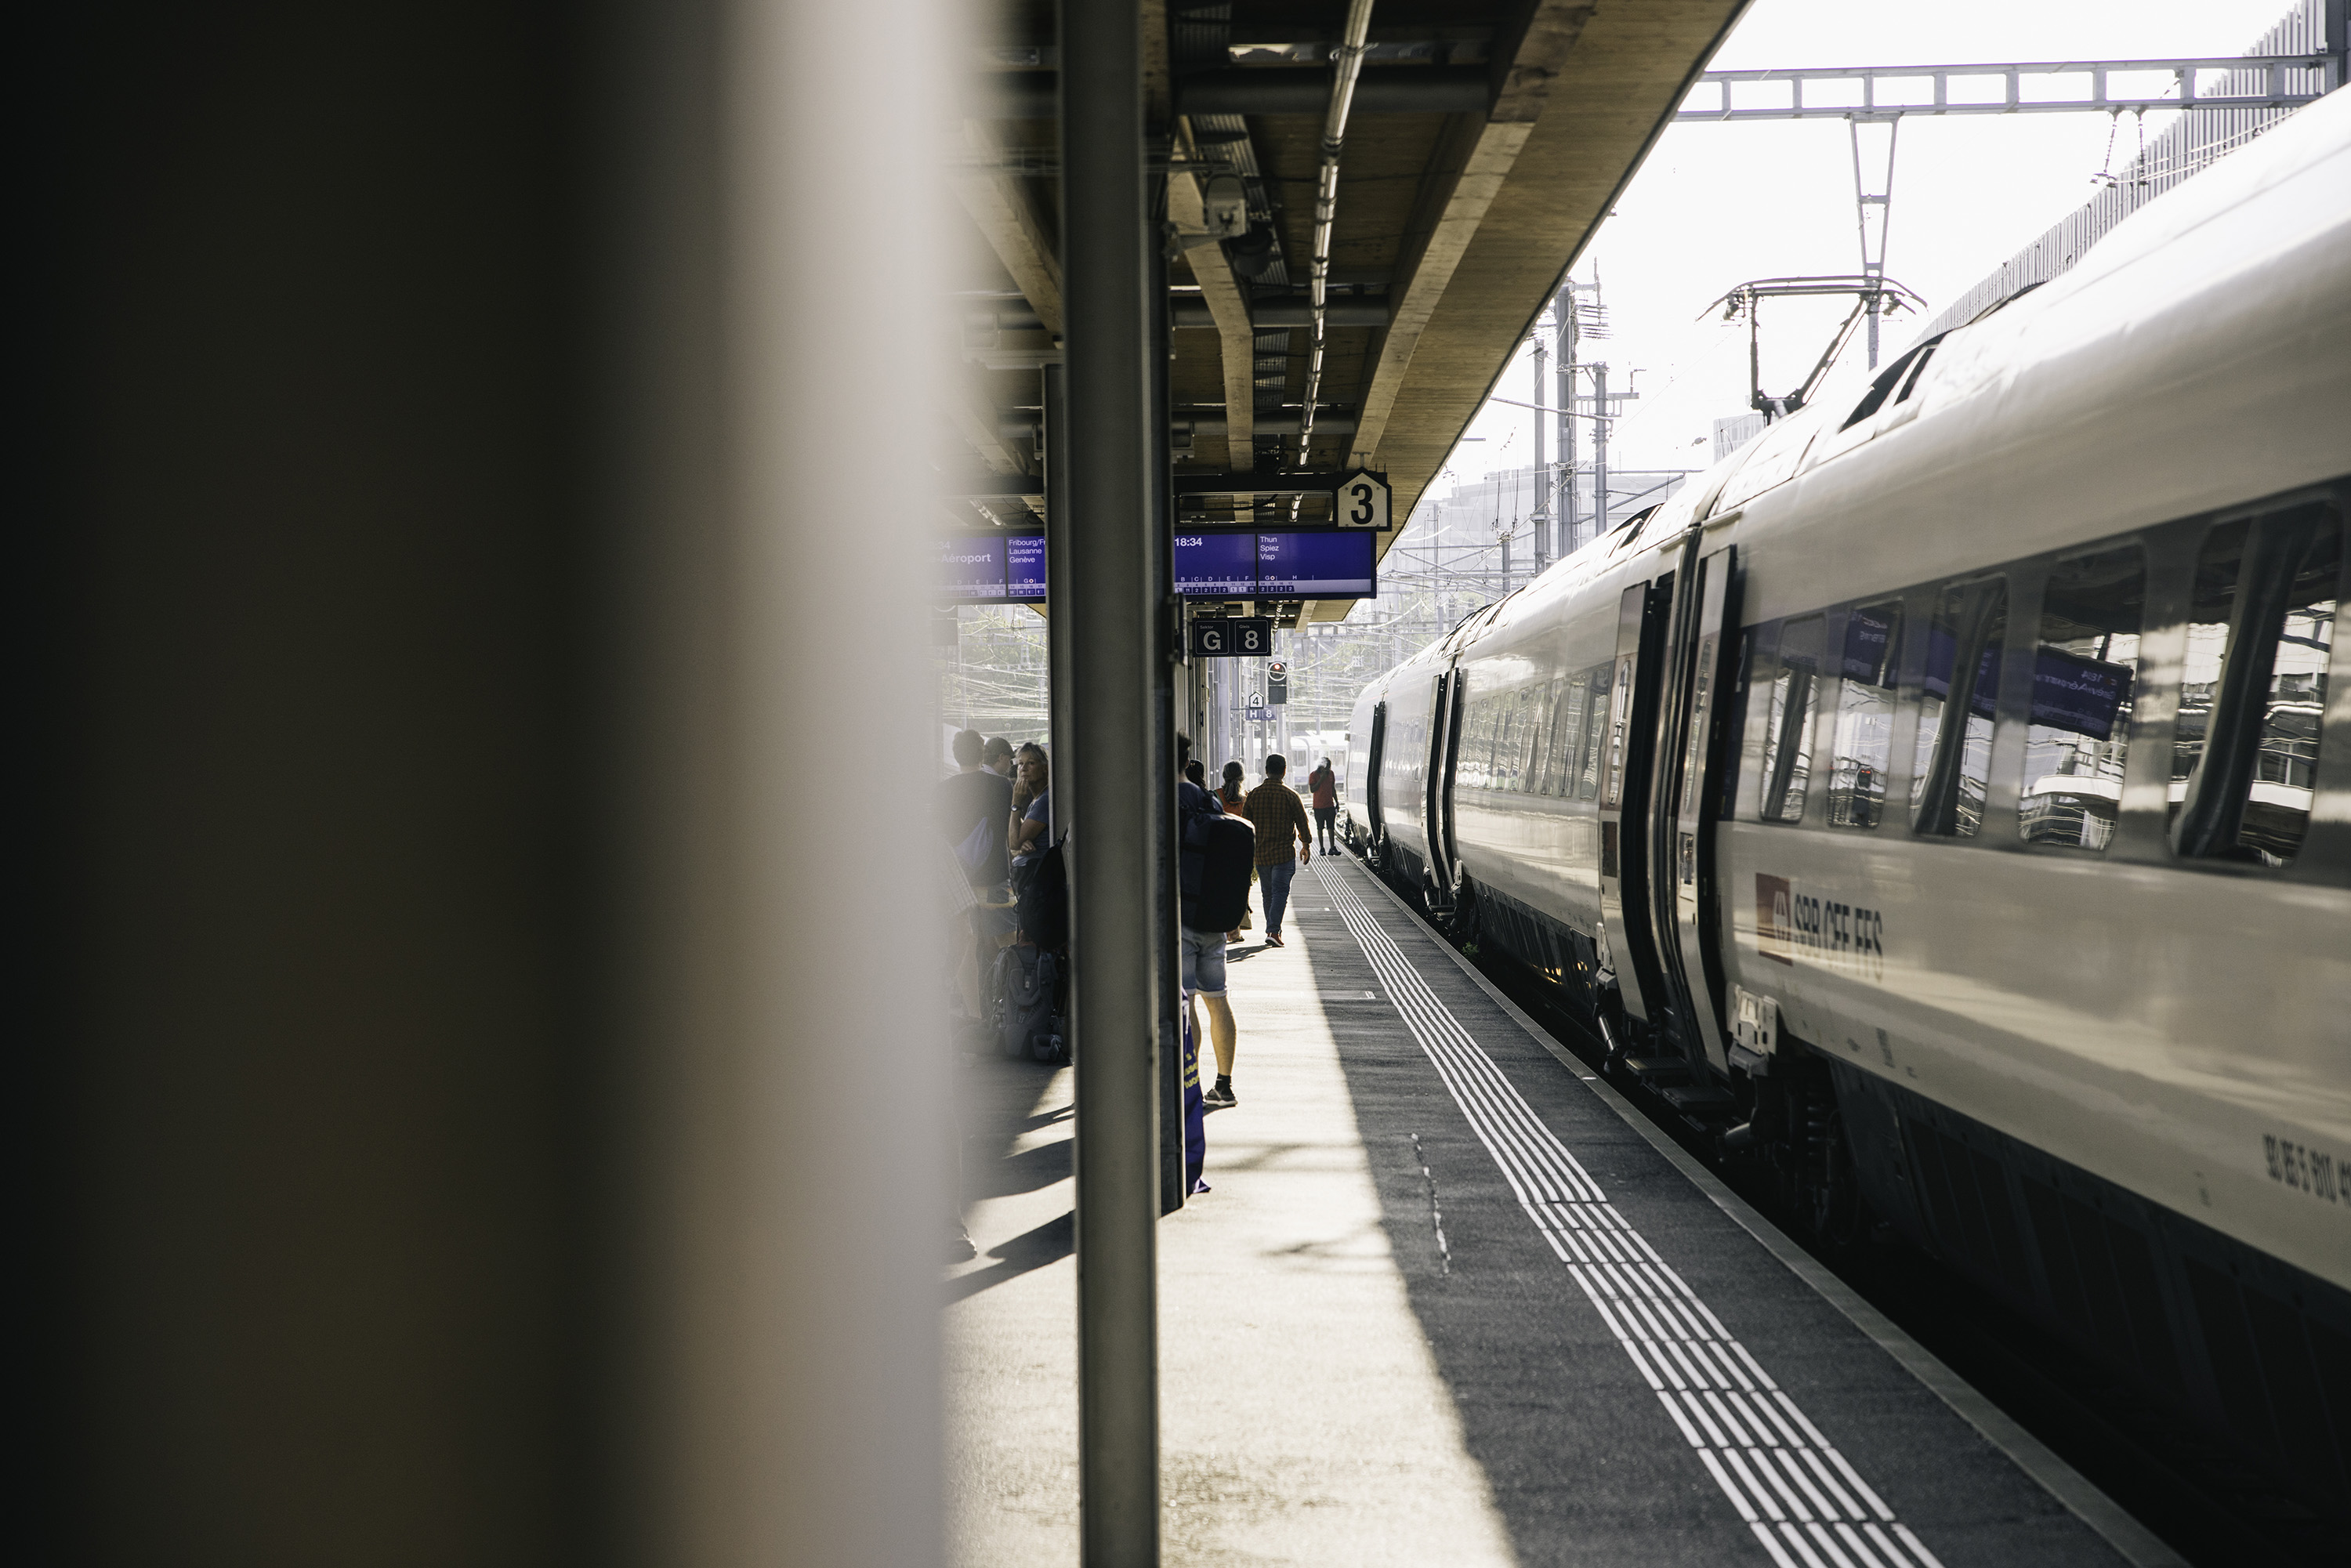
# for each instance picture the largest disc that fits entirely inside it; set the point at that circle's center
(1363, 501)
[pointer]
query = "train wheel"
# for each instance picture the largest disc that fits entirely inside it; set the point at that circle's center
(1832, 1203)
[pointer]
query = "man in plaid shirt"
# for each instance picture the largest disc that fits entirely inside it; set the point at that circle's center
(1280, 819)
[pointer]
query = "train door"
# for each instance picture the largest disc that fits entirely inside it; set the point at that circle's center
(1377, 828)
(1437, 798)
(1624, 773)
(1683, 906)
(1445, 861)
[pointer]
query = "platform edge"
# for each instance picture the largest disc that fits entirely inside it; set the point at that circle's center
(2138, 1545)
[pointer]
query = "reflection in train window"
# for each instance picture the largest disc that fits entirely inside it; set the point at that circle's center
(1865, 720)
(1619, 709)
(1594, 685)
(1506, 748)
(1956, 700)
(1788, 742)
(2084, 674)
(1475, 748)
(2261, 627)
(1538, 772)
(1552, 778)
(1537, 709)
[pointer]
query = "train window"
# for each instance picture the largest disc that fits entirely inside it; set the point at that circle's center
(2084, 677)
(1618, 705)
(1538, 719)
(1547, 768)
(1594, 709)
(1865, 720)
(1476, 743)
(1567, 737)
(2262, 628)
(1788, 742)
(1957, 699)
(1895, 374)
(1507, 754)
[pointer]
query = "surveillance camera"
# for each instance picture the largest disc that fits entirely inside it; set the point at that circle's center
(1225, 202)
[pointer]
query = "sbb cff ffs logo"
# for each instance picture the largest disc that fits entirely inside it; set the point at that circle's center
(1232, 637)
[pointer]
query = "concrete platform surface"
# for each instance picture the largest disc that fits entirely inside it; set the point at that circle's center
(1445, 1305)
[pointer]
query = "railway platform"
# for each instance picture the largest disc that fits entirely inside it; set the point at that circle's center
(1450, 1300)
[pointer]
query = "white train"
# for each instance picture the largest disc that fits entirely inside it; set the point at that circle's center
(1948, 797)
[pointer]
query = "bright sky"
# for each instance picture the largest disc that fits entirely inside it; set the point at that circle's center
(1716, 204)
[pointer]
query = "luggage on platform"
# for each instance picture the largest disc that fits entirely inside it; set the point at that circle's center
(1027, 988)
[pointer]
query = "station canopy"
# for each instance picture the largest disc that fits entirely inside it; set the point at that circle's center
(1485, 143)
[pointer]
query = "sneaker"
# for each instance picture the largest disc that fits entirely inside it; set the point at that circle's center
(959, 1247)
(1221, 1096)
(1273, 939)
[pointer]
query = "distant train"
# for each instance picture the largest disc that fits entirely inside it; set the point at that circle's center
(1947, 799)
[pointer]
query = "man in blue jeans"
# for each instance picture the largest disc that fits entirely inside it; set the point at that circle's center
(1281, 820)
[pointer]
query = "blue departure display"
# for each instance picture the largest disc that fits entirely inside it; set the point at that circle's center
(1010, 568)
(971, 567)
(1024, 568)
(1216, 566)
(1315, 565)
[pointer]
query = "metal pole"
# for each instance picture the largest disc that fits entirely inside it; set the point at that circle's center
(1165, 664)
(1114, 894)
(1564, 308)
(1059, 682)
(1600, 450)
(1541, 519)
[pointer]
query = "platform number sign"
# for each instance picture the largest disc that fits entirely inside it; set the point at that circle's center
(1363, 501)
(1232, 637)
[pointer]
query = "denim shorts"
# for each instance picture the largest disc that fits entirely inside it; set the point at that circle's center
(1204, 962)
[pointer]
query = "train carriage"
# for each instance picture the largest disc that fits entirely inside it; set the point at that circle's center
(1947, 798)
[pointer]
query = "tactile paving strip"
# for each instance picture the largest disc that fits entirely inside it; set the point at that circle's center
(1802, 1498)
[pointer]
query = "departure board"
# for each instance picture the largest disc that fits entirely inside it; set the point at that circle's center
(1225, 563)
(1024, 568)
(1315, 566)
(971, 567)
(1216, 566)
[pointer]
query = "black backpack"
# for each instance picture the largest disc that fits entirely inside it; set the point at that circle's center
(1221, 851)
(1044, 907)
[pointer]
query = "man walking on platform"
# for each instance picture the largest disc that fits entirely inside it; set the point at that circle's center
(1280, 819)
(1324, 786)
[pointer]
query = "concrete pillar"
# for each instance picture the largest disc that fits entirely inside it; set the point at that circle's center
(478, 1122)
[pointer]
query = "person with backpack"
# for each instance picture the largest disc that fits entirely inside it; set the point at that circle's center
(1216, 852)
(1324, 786)
(1278, 813)
(975, 807)
(1229, 797)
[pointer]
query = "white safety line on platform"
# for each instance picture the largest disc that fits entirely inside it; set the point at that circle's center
(1805, 1503)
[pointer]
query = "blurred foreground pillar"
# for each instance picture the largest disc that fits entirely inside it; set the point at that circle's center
(486, 1100)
